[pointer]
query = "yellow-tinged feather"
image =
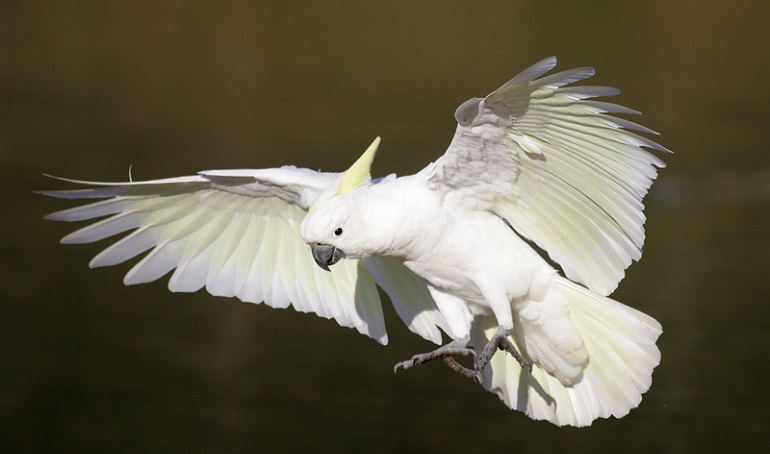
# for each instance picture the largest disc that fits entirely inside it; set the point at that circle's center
(359, 173)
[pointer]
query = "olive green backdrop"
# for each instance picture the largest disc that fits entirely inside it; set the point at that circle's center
(91, 88)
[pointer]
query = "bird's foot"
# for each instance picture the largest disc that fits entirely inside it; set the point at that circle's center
(499, 341)
(446, 353)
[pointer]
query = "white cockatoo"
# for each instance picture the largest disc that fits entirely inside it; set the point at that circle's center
(537, 163)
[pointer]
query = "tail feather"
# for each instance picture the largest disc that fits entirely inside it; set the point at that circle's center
(620, 344)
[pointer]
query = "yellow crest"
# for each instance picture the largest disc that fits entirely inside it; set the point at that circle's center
(360, 172)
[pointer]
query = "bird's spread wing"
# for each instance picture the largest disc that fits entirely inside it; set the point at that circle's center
(564, 172)
(236, 233)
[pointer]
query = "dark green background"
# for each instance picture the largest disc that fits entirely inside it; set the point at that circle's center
(89, 88)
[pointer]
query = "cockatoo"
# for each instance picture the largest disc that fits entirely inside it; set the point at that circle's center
(536, 168)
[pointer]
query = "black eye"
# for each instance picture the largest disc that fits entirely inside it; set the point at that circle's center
(338, 231)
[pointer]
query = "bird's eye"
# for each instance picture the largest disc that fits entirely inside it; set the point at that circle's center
(338, 231)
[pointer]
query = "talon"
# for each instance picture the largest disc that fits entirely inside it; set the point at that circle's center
(406, 364)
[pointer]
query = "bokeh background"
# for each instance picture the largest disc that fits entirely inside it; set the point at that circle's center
(91, 88)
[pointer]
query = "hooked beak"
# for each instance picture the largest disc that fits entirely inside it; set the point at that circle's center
(326, 254)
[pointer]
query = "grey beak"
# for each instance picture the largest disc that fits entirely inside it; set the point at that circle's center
(325, 255)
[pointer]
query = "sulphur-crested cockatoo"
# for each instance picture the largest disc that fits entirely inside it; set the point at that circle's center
(537, 163)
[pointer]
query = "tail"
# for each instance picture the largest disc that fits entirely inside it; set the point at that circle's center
(621, 353)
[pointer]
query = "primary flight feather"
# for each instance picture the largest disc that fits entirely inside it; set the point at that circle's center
(536, 161)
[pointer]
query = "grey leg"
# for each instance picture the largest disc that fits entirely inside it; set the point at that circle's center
(498, 341)
(446, 353)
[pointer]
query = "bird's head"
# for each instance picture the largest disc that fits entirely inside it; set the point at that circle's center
(332, 226)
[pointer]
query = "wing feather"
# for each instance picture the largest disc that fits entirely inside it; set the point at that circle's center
(236, 233)
(564, 172)
(410, 297)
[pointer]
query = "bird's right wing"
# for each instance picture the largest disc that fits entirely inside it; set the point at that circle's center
(236, 233)
(559, 166)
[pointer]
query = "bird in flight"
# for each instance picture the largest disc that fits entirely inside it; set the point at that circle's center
(502, 251)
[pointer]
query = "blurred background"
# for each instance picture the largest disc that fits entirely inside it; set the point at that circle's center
(89, 89)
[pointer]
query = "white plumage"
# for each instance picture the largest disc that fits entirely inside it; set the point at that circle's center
(536, 160)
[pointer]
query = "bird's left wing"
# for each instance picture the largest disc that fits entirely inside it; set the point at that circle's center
(236, 233)
(559, 167)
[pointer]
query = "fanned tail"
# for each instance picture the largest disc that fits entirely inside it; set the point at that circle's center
(620, 343)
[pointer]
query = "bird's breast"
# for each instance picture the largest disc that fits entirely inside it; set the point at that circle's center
(476, 248)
